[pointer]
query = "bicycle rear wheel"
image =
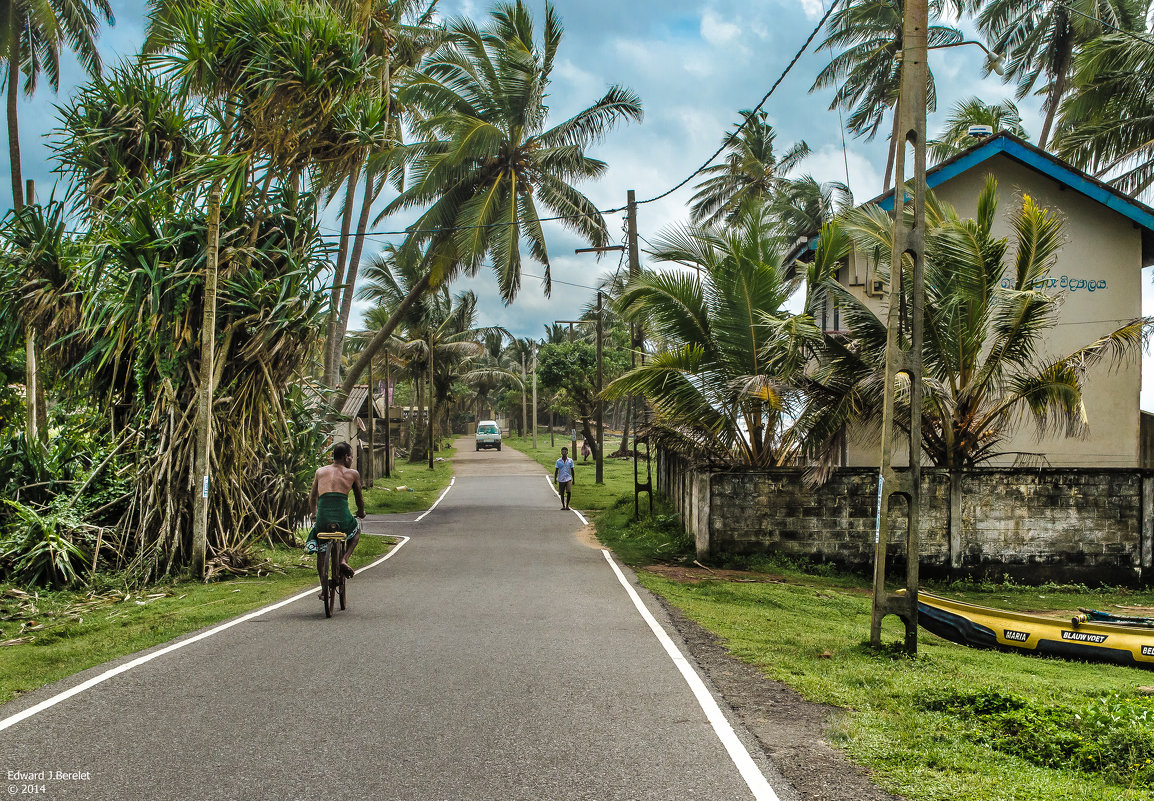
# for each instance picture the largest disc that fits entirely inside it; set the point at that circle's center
(331, 577)
(341, 586)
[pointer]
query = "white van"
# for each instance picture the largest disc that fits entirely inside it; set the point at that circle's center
(488, 435)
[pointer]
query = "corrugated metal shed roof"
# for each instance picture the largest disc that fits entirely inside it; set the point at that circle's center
(355, 400)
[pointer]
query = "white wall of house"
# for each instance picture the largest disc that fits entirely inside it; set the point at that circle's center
(1103, 250)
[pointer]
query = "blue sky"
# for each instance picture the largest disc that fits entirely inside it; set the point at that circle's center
(694, 65)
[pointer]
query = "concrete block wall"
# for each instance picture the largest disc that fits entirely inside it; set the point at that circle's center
(1059, 524)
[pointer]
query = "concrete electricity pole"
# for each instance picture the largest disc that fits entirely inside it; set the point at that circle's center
(534, 396)
(203, 458)
(904, 355)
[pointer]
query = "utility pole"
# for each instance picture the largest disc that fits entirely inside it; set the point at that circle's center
(388, 419)
(370, 474)
(524, 412)
(600, 471)
(534, 346)
(203, 459)
(430, 405)
(599, 458)
(904, 356)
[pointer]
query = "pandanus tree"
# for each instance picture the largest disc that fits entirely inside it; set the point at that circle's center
(984, 359)
(144, 147)
(723, 384)
(484, 157)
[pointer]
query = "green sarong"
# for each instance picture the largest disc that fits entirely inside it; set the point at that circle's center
(332, 515)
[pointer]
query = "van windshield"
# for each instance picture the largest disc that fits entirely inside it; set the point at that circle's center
(487, 430)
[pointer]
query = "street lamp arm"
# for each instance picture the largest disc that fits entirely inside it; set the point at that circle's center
(994, 60)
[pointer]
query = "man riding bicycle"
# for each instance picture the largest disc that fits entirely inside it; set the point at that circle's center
(329, 503)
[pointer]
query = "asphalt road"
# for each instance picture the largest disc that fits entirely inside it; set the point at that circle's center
(496, 656)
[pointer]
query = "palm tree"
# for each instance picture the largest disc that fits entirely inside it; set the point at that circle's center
(484, 157)
(867, 71)
(983, 356)
(1042, 39)
(32, 33)
(955, 137)
(399, 33)
(802, 205)
(750, 170)
(1107, 121)
(723, 385)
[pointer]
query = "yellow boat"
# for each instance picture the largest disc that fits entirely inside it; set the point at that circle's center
(1091, 636)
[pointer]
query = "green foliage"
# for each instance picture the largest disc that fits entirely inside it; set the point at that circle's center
(1111, 735)
(43, 546)
(648, 539)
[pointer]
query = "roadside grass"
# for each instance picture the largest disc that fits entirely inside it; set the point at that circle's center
(422, 486)
(588, 496)
(952, 724)
(59, 633)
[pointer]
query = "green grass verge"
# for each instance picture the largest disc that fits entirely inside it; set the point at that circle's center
(588, 496)
(70, 631)
(421, 485)
(953, 724)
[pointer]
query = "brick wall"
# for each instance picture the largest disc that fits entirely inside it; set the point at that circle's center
(1061, 524)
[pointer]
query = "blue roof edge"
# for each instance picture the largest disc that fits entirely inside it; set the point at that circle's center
(1044, 163)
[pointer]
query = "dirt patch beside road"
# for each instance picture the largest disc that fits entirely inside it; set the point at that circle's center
(790, 730)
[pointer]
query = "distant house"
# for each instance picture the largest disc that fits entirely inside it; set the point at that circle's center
(1109, 238)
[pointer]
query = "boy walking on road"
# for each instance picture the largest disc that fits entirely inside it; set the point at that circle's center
(563, 477)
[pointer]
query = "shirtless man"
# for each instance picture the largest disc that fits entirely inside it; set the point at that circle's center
(329, 503)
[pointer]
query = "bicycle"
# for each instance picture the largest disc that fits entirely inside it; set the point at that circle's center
(332, 579)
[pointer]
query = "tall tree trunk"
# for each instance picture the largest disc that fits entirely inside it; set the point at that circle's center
(1057, 89)
(624, 449)
(330, 374)
(380, 338)
(371, 191)
(13, 119)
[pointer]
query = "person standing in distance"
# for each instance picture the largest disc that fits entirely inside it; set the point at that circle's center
(563, 477)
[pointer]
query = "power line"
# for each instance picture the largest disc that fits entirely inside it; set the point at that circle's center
(797, 56)
(746, 121)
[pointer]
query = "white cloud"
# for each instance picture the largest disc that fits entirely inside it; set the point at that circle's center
(718, 32)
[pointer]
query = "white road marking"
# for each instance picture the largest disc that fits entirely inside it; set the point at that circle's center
(580, 516)
(140, 660)
(452, 481)
(737, 751)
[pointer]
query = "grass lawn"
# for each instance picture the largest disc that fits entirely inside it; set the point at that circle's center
(56, 634)
(421, 485)
(952, 724)
(588, 496)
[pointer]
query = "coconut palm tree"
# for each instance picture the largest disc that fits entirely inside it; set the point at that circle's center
(1107, 123)
(803, 205)
(866, 72)
(30, 41)
(399, 33)
(750, 170)
(723, 384)
(955, 136)
(1041, 39)
(983, 356)
(484, 157)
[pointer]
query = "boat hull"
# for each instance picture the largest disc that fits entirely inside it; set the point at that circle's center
(983, 627)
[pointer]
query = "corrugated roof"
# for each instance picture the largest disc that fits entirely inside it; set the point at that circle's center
(355, 400)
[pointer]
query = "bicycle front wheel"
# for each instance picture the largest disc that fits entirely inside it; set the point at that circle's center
(331, 577)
